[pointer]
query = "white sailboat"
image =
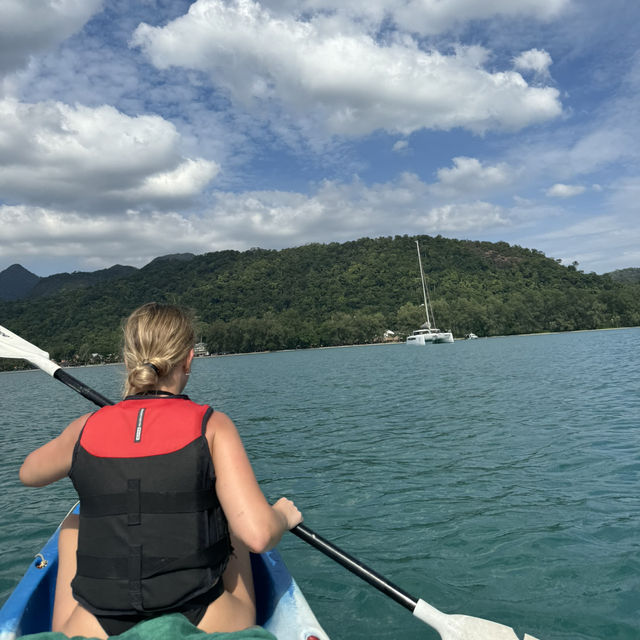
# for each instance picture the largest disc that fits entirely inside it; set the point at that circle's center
(427, 334)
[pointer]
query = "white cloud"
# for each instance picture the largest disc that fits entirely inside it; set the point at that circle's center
(575, 154)
(185, 181)
(534, 60)
(591, 226)
(400, 145)
(427, 17)
(604, 145)
(271, 219)
(469, 176)
(590, 241)
(344, 79)
(52, 154)
(465, 217)
(602, 241)
(28, 27)
(95, 241)
(560, 190)
(430, 17)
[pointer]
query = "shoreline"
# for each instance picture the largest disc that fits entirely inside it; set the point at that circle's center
(337, 346)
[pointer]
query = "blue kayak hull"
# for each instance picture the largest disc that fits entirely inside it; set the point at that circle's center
(281, 606)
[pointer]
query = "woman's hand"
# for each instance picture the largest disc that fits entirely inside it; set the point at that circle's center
(289, 512)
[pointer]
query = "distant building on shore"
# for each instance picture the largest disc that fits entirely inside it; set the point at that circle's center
(200, 349)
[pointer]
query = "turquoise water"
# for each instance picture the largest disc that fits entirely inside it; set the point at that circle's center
(498, 478)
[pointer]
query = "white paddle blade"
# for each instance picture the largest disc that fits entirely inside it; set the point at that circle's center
(10, 341)
(15, 347)
(459, 627)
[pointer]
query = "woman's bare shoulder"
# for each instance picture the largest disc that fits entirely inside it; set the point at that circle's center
(220, 424)
(75, 427)
(218, 418)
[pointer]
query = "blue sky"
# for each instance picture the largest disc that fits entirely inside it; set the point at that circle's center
(130, 130)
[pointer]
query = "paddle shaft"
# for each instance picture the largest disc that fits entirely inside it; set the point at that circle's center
(355, 566)
(301, 531)
(81, 388)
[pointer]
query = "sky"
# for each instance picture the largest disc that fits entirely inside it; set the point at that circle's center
(131, 130)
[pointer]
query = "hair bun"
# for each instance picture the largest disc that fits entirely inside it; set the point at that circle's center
(157, 337)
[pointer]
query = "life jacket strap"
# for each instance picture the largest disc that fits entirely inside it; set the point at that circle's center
(97, 506)
(136, 567)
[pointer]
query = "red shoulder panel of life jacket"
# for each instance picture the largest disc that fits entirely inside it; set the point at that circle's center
(143, 427)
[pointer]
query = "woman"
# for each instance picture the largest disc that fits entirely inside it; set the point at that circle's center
(169, 504)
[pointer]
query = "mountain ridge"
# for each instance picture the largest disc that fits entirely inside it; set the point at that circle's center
(330, 294)
(17, 282)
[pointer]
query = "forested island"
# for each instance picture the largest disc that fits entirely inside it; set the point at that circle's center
(326, 295)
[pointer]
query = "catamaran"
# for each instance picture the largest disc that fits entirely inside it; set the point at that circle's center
(427, 334)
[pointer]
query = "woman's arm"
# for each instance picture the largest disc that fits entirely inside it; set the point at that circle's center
(258, 524)
(52, 461)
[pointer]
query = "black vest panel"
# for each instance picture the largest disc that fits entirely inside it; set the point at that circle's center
(152, 535)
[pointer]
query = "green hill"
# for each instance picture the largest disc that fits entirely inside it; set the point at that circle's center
(625, 275)
(331, 294)
(16, 282)
(61, 282)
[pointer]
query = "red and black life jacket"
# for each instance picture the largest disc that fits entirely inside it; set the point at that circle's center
(153, 535)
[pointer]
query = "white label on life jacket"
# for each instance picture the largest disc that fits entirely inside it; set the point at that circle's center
(139, 425)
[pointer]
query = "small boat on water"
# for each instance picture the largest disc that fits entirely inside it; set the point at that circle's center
(427, 334)
(281, 606)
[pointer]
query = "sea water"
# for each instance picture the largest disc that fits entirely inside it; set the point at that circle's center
(497, 478)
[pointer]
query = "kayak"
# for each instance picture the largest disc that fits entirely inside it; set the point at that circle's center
(281, 606)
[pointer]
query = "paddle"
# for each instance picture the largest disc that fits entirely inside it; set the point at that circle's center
(13, 346)
(450, 627)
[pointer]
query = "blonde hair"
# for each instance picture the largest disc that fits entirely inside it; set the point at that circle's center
(157, 337)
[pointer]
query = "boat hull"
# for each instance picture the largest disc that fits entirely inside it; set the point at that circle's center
(281, 606)
(421, 337)
(444, 337)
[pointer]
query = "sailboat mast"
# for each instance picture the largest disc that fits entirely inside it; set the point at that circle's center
(433, 318)
(424, 288)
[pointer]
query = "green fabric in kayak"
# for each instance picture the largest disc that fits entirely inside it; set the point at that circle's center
(174, 626)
